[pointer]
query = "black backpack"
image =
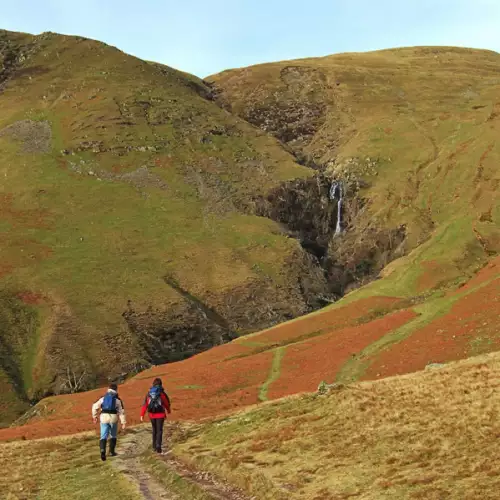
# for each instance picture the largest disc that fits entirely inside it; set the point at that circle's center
(155, 404)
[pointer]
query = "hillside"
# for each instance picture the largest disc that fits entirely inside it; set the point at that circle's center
(125, 194)
(365, 339)
(429, 435)
(413, 135)
(148, 215)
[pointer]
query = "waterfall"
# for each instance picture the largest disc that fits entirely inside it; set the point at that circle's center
(337, 193)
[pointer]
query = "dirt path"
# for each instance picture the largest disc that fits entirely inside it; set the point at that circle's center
(204, 480)
(131, 450)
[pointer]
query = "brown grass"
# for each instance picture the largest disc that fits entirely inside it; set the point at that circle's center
(429, 435)
(59, 468)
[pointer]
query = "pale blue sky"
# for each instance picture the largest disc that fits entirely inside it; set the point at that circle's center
(207, 36)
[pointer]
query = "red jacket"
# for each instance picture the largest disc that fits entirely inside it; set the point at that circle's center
(166, 406)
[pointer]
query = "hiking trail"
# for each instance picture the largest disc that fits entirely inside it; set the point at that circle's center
(132, 448)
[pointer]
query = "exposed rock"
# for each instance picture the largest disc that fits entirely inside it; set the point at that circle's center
(324, 388)
(349, 257)
(140, 178)
(360, 254)
(35, 136)
(305, 209)
(194, 324)
(295, 110)
(174, 334)
(435, 366)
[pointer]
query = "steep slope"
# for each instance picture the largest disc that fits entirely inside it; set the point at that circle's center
(413, 135)
(126, 219)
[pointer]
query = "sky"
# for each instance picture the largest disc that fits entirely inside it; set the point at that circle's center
(204, 37)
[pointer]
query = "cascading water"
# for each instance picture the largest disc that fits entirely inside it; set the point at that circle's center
(337, 193)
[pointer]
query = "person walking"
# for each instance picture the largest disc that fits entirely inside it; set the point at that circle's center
(109, 409)
(157, 404)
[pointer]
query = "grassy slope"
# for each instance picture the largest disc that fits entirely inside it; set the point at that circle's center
(139, 180)
(59, 468)
(427, 435)
(369, 338)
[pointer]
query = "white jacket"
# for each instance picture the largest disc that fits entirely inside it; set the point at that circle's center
(110, 418)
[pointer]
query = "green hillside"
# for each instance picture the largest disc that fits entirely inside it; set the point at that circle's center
(412, 132)
(125, 194)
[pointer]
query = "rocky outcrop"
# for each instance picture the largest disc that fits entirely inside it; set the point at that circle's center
(14, 50)
(195, 324)
(306, 211)
(324, 216)
(293, 112)
(175, 334)
(358, 256)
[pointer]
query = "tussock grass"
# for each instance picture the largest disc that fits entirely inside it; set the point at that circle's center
(51, 469)
(428, 435)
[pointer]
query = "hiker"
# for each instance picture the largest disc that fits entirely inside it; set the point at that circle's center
(110, 407)
(157, 404)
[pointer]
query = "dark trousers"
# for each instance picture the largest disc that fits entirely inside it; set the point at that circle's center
(157, 425)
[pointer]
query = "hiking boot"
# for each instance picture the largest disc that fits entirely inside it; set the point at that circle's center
(112, 446)
(158, 450)
(102, 446)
